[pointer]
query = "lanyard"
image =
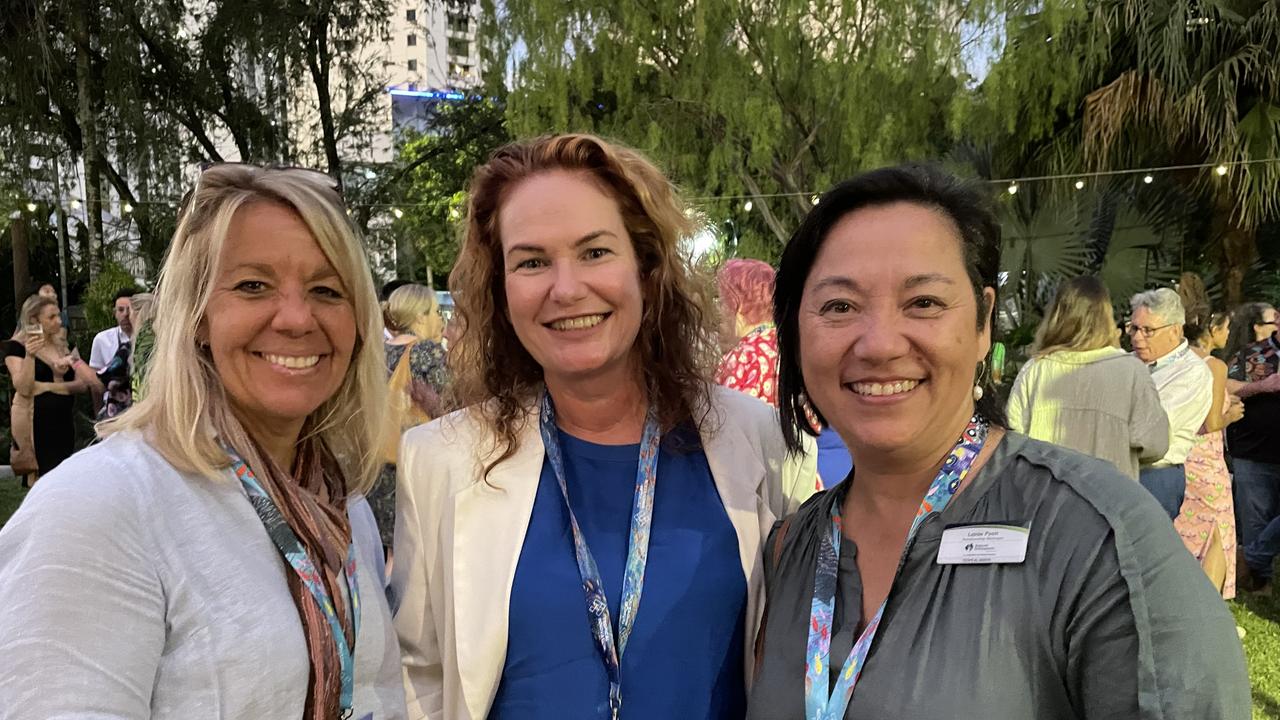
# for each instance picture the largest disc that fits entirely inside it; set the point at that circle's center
(818, 705)
(611, 649)
(291, 548)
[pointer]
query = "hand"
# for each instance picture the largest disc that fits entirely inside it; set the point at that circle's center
(34, 344)
(1271, 383)
(1234, 410)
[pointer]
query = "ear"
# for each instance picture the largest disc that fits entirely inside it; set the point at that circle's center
(988, 324)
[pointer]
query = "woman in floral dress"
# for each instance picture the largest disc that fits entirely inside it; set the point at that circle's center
(1207, 506)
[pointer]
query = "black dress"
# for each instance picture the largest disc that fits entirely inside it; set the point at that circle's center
(53, 423)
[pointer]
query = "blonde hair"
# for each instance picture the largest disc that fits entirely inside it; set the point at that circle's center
(493, 370)
(142, 309)
(31, 309)
(1080, 319)
(406, 305)
(186, 414)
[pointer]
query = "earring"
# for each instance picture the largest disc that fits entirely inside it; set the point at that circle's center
(977, 384)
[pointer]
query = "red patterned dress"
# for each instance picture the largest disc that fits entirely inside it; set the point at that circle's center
(752, 366)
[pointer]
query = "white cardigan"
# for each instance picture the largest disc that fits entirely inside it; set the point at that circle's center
(458, 540)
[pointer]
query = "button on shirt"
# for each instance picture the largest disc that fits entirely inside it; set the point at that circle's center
(1185, 386)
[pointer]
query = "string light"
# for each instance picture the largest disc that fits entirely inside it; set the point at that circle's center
(75, 204)
(127, 208)
(1079, 184)
(454, 214)
(31, 207)
(1013, 188)
(398, 213)
(1147, 179)
(748, 205)
(1222, 170)
(814, 199)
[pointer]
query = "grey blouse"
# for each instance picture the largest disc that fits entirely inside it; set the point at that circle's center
(1108, 617)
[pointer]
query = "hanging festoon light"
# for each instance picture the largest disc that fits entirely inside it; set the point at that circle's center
(1147, 179)
(31, 207)
(1013, 188)
(1079, 184)
(75, 204)
(814, 199)
(748, 205)
(454, 214)
(1222, 170)
(127, 208)
(398, 213)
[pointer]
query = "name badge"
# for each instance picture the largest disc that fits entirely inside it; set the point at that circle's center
(981, 544)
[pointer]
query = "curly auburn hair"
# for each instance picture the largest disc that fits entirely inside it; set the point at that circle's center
(494, 373)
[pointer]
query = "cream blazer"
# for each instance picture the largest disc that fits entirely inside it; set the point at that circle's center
(458, 539)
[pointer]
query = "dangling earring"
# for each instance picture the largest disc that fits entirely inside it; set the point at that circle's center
(977, 384)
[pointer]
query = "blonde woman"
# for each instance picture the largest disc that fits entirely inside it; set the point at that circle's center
(46, 377)
(1082, 392)
(212, 557)
(593, 448)
(412, 316)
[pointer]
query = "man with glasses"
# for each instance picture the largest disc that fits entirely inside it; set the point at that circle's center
(1254, 443)
(1183, 381)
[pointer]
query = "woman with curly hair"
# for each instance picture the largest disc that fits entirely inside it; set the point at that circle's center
(584, 538)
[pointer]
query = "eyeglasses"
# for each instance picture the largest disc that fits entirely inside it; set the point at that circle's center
(313, 174)
(1130, 329)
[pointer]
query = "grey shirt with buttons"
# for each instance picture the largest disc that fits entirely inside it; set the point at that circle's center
(1108, 617)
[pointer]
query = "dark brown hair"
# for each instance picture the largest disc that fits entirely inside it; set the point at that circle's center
(493, 372)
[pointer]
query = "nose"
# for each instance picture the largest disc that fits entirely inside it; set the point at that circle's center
(294, 315)
(567, 286)
(880, 338)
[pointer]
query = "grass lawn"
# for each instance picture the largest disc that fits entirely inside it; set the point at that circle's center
(1259, 616)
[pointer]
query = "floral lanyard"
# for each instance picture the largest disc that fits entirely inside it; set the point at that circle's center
(611, 649)
(291, 548)
(818, 705)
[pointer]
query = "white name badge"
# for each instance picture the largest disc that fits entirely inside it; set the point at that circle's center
(983, 544)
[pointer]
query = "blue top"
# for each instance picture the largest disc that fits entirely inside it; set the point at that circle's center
(685, 658)
(834, 462)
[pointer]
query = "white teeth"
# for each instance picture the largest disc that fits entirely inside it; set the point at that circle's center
(880, 389)
(293, 362)
(578, 323)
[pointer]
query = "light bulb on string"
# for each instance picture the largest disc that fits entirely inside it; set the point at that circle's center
(31, 207)
(814, 199)
(748, 205)
(1222, 170)
(127, 208)
(1079, 184)
(454, 214)
(398, 213)
(75, 204)
(1147, 179)
(1013, 188)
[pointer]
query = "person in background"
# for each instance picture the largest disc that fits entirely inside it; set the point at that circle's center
(48, 372)
(1184, 382)
(117, 376)
(385, 294)
(212, 558)
(962, 571)
(1207, 521)
(416, 394)
(1250, 323)
(749, 341)
(1082, 392)
(1254, 443)
(108, 342)
(593, 454)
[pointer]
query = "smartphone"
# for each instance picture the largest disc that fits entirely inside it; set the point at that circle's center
(34, 329)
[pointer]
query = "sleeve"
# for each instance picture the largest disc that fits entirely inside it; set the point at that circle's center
(1148, 424)
(99, 357)
(431, 365)
(1147, 638)
(412, 581)
(13, 348)
(83, 622)
(1019, 406)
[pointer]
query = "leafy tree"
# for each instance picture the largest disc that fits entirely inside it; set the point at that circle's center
(745, 100)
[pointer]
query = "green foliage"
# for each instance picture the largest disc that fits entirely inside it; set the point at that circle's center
(99, 298)
(772, 101)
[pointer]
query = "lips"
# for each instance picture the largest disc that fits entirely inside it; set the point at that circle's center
(882, 389)
(580, 322)
(292, 362)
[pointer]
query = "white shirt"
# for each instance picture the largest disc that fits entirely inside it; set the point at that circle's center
(105, 345)
(1185, 385)
(132, 590)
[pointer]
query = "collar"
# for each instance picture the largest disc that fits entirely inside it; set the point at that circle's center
(1172, 357)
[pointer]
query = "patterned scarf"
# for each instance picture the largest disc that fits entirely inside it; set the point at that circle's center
(313, 500)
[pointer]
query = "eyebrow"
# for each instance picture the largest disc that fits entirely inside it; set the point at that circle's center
(848, 283)
(593, 235)
(916, 281)
(321, 274)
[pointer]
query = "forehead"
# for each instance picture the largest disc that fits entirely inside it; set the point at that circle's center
(556, 207)
(273, 235)
(123, 302)
(888, 243)
(1143, 313)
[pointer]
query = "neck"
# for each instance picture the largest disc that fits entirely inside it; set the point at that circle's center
(607, 410)
(278, 440)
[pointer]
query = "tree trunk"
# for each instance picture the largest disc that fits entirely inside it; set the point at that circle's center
(318, 60)
(89, 131)
(1239, 249)
(21, 256)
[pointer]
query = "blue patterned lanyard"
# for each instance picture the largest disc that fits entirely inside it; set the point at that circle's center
(637, 548)
(818, 705)
(291, 548)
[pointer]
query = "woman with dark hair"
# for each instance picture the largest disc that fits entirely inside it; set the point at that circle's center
(1082, 392)
(594, 455)
(1250, 323)
(961, 571)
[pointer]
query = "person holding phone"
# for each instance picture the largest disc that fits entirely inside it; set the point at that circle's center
(44, 369)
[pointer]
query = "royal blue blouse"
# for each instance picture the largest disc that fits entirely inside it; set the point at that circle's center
(685, 656)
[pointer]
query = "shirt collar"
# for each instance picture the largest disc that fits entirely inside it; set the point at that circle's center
(1175, 355)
